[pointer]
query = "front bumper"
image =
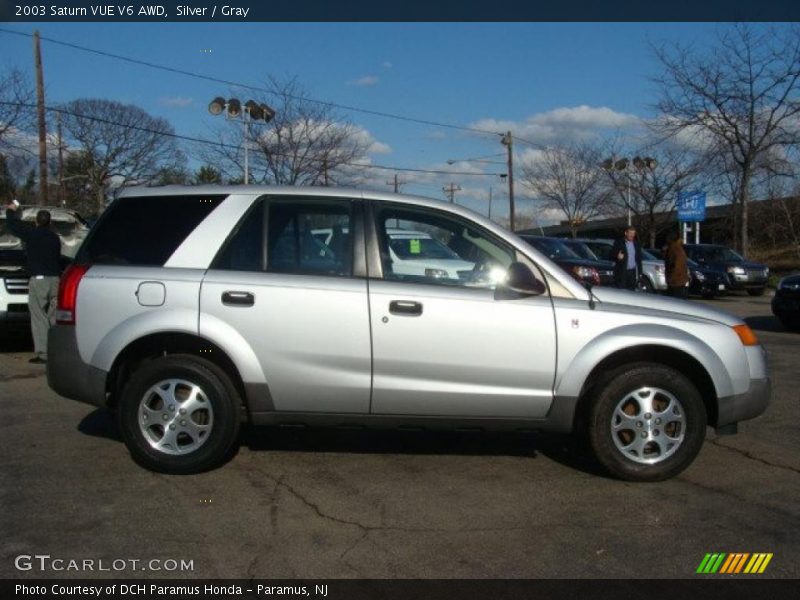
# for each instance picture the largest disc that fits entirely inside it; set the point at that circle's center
(67, 374)
(753, 402)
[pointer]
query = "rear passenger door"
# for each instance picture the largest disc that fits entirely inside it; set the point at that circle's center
(298, 297)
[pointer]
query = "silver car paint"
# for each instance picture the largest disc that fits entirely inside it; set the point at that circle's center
(310, 335)
(467, 354)
(444, 377)
(109, 315)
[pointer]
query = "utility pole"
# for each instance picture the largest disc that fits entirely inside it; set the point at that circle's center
(396, 184)
(61, 200)
(37, 54)
(508, 142)
(451, 190)
(490, 203)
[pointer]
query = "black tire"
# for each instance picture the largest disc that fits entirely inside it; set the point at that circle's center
(756, 291)
(219, 407)
(648, 286)
(614, 389)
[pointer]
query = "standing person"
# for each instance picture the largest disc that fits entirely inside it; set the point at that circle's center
(43, 248)
(677, 269)
(627, 255)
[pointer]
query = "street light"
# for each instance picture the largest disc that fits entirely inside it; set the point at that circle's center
(622, 165)
(251, 111)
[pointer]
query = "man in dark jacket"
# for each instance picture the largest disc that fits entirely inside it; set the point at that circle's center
(43, 248)
(627, 256)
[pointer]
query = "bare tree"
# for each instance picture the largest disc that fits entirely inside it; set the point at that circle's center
(569, 179)
(121, 144)
(16, 112)
(306, 143)
(743, 98)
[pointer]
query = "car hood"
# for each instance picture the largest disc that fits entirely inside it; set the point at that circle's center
(652, 304)
(723, 266)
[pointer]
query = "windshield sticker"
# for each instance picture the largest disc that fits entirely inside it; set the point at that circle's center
(414, 247)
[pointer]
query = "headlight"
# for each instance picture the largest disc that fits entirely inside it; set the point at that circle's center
(660, 269)
(766, 271)
(584, 273)
(736, 270)
(698, 275)
(436, 273)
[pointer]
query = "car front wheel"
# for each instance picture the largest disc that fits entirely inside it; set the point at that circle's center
(647, 422)
(179, 414)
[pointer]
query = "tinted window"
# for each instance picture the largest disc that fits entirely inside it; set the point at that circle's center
(310, 238)
(145, 231)
(244, 250)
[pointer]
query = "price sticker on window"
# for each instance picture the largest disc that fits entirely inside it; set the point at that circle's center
(414, 246)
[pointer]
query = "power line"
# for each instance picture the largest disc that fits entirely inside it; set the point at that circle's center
(252, 87)
(220, 144)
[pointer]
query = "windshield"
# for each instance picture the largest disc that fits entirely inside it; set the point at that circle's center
(716, 254)
(581, 250)
(601, 249)
(420, 247)
(552, 248)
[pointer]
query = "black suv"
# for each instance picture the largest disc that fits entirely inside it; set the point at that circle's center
(741, 274)
(786, 302)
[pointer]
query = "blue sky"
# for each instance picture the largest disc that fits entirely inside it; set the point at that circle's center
(544, 80)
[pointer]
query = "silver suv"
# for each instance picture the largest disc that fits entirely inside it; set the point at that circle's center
(191, 310)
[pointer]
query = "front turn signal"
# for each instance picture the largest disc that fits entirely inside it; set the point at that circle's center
(746, 335)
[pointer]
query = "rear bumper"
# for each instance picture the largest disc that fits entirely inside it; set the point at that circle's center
(741, 407)
(67, 374)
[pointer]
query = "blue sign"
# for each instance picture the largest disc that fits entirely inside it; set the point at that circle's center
(692, 206)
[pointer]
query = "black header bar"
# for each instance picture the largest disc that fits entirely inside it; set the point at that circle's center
(408, 10)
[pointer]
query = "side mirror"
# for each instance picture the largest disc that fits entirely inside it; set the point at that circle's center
(520, 279)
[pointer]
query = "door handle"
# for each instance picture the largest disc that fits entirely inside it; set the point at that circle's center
(405, 307)
(238, 299)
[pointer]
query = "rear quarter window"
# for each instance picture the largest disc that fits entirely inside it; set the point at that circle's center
(145, 231)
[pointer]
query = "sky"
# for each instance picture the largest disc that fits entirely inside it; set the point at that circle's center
(546, 82)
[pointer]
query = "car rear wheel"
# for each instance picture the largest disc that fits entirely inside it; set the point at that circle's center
(756, 291)
(179, 414)
(647, 422)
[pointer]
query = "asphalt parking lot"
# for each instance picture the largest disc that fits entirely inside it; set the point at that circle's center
(346, 504)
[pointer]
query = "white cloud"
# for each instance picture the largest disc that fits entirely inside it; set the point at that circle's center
(387, 64)
(175, 101)
(565, 124)
(365, 81)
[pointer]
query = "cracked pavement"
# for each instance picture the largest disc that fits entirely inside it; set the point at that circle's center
(345, 504)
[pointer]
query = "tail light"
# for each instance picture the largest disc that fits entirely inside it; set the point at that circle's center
(68, 293)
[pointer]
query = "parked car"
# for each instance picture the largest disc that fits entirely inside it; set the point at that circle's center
(654, 279)
(68, 224)
(186, 336)
(705, 282)
(741, 274)
(605, 268)
(786, 302)
(587, 271)
(14, 315)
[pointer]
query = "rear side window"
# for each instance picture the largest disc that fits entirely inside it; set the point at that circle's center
(310, 238)
(145, 231)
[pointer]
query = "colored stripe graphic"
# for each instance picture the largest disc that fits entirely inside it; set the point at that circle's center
(728, 564)
(759, 563)
(711, 562)
(741, 562)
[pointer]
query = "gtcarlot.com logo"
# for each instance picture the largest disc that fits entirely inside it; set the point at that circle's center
(734, 563)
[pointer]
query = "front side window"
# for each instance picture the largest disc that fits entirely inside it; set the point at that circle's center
(426, 246)
(310, 238)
